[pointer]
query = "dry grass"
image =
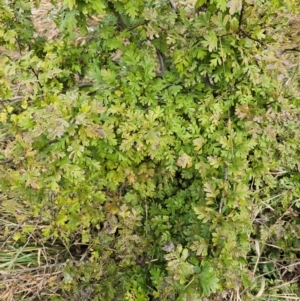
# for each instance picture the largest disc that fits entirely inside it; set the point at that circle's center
(29, 268)
(42, 20)
(38, 283)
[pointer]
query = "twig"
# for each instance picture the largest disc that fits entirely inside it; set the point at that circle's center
(291, 49)
(6, 161)
(11, 99)
(173, 5)
(12, 233)
(86, 253)
(248, 36)
(138, 25)
(162, 64)
(241, 17)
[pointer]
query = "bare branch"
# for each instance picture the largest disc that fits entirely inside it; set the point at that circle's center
(162, 64)
(6, 161)
(173, 5)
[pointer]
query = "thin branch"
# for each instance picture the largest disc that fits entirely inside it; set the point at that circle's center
(296, 49)
(6, 161)
(173, 5)
(162, 64)
(11, 235)
(248, 36)
(241, 17)
(121, 22)
(11, 99)
(138, 25)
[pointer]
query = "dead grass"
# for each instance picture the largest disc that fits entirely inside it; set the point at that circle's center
(31, 268)
(42, 18)
(39, 283)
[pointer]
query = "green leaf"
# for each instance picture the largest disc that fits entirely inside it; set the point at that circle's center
(221, 4)
(108, 75)
(70, 3)
(208, 280)
(98, 5)
(210, 190)
(131, 9)
(210, 41)
(199, 3)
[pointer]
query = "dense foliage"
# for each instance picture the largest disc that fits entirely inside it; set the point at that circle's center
(152, 144)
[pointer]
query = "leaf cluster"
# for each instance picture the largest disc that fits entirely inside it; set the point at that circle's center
(155, 144)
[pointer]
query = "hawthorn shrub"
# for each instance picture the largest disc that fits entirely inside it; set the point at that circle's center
(153, 138)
